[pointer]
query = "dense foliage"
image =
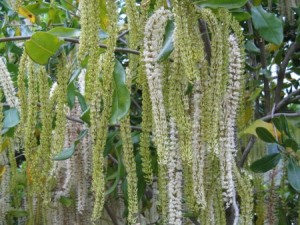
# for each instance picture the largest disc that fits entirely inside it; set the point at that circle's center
(149, 112)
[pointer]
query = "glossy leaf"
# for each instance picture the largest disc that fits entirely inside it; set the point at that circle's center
(121, 95)
(168, 46)
(11, 118)
(266, 163)
(229, 4)
(85, 116)
(282, 125)
(42, 46)
(265, 135)
(80, 136)
(71, 93)
(65, 154)
(293, 172)
(251, 47)
(65, 32)
(278, 123)
(68, 152)
(285, 125)
(81, 101)
(268, 25)
(291, 143)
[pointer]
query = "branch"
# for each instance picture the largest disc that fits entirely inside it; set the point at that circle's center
(282, 69)
(266, 81)
(194, 220)
(111, 126)
(123, 34)
(246, 152)
(286, 100)
(205, 39)
(269, 117)
(111, 214)
(71, 40)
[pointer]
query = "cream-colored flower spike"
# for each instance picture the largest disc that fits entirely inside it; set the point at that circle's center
(154, 31)
(175, 177)
(7, 85)
(228, 122)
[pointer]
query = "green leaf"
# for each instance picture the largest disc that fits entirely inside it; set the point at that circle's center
(255, 94)
(265, 135)
(85, 116)
(11, 118)
(80, 136)
(293, 171)
(65, 32)
(38, 8)
(285, 125)
(229, 4)
(66, 201)
(42, 46)
(291, 143)
(268, 25)
(168, 46)
(251, 47)
(68, 152)
(277, 123)
(241, 16)
(17, 213)
(266, 163)
(282, 125)
(65, 154)
(71, 93)
(75, 74)
(121, 95)
(81, 101)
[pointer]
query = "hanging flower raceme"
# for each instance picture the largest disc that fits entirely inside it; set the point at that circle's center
(7, 85)
(154, 32)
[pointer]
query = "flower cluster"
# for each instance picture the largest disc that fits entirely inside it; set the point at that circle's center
(7, 86)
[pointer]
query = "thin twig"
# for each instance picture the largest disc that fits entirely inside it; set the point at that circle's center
(263, 61)
(74, 119)
(205, 38)
(113, 159)
(286, 100)
(246, 152)
(136, 104)
(282, 69)
(111, 126)
(111, 214)
(123, 34)
(269, 117)
(72, 40)
(194, 220)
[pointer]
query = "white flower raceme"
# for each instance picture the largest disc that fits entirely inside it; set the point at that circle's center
(53, 89)
(154, 31)
(228, 123)
(7, 85)
(175, 177)
(81, 81)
